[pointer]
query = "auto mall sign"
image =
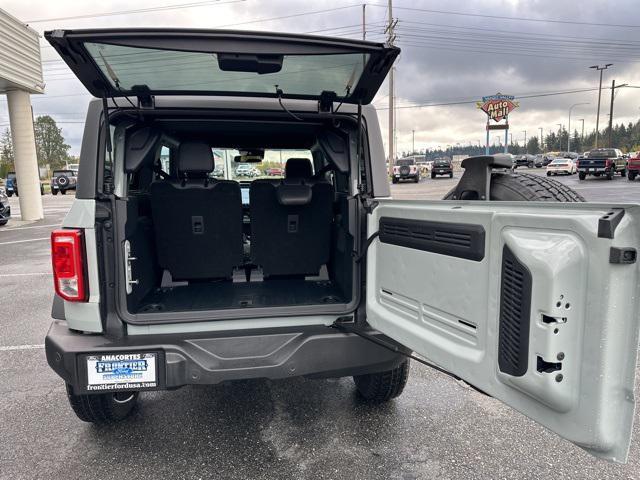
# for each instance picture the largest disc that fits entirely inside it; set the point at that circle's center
(498, 106)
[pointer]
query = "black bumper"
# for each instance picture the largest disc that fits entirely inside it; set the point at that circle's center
(188, 359)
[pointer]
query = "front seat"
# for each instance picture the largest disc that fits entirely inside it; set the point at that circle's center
(291, 222)
(197, 220)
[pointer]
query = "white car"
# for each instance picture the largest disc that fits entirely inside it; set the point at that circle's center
(564, 166)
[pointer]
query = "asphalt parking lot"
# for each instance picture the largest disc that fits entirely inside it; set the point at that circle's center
(290, 429)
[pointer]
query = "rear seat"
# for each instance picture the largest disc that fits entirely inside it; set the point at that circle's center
(291, 222)
(197, 220)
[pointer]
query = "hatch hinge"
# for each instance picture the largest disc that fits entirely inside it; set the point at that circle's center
(476, 179)
(325, 103)
(146, 101)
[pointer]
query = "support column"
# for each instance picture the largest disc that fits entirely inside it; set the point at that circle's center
(26, 160)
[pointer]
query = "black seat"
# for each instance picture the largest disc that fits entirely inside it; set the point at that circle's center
(291, 222)
(197, 220)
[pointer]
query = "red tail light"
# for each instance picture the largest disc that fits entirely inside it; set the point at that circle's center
(68, 258)
(608, 162)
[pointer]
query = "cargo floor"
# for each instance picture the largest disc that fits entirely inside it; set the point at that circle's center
(227, 294)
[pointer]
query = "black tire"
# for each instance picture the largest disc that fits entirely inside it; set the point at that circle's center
(548, 174)
(416, 180)
(631, 177)
(383, 386)
(526, 187)
(451, 175)
(54, 192)
(623, 173)
(9, 194)
(582, 175)
(102, 407)
(433, 175)
(63, 192)
(394, 180)
(610, 175)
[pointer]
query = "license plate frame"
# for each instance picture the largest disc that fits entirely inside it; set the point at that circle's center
(104, 372)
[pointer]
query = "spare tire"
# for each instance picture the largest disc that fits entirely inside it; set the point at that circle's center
(404, 170)
(63, 181)
(526, 187)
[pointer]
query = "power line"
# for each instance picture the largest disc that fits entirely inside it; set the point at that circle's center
(138, 10)
(501, 17)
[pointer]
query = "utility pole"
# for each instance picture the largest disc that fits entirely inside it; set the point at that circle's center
(526, 150)
(413, 142)
(390, 40)
(613, 91)
(600, 69)
(364, 22)
(560, 135)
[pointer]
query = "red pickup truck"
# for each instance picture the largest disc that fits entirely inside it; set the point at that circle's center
(633, 167)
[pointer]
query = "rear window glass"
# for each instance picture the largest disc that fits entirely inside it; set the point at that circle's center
(272, 166)
(603, 153)
(168, 70)
(404, 162)
(58, 173)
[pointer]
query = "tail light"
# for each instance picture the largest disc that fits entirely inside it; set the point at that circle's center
(608, 162)
(395, 169)
(68, 259)
(413, 168)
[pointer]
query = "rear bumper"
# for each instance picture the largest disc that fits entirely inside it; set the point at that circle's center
(188, 359)
(588, 170)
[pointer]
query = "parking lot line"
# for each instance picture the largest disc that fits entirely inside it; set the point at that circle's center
(12, 229)
(23, 274)
(20, 347)
(24, 241)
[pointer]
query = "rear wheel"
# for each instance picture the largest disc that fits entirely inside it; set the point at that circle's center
(54, 192)
(102, 407)
(433, 175)
(451, 175)
(582, 175)
(623, 173)
(63, 192)
(548, 174)
(383, 386)
(394, 180)
(631, 177)
(610, 175)
(9, 194)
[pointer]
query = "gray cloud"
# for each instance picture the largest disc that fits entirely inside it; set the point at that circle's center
(443, 58)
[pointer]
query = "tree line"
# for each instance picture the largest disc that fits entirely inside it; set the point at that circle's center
(625, 137)
(51, 149)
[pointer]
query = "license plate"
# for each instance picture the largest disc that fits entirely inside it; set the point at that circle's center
(122, 371)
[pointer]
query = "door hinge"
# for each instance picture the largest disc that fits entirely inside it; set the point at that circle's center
(130, 282)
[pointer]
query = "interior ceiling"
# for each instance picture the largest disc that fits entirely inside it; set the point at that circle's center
(232, 134)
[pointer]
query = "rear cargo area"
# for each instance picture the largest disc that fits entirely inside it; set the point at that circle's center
(204, 231)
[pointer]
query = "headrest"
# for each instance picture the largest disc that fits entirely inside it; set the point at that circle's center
(195, 157)
(293, 194)
(298, 168)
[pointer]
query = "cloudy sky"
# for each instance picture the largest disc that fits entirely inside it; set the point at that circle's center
(452, 52)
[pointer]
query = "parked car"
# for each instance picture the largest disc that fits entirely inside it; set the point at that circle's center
(160, 297)
(561, 166)
(274, 172)
(442, 166)
(63, 180)
(406, 169)
(521, 161)
(602, 161)
(538, 161)
(11, 185)
(246, 170)
(633, 166)
(5, 208)
(218, 172)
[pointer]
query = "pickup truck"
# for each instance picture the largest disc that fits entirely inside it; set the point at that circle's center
(602, 161)
(633, 167)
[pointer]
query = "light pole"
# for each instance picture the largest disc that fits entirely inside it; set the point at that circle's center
(582, 134)
(526, 150)
(571, 108)
(413, 142)
(560, 135)
(541, 140)
(600, 69)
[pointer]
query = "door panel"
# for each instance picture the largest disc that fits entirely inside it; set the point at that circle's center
(539, 318)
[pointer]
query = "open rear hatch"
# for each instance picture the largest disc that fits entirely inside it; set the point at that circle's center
(144, 62)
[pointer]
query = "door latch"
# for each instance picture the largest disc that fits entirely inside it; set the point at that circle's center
(129, 281)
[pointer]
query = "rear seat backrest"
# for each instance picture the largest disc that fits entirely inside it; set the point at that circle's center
(291, 222)
(197, 221)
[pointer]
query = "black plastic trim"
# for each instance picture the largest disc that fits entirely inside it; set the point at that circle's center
(460, 240)
(515, 315)
(608, 223)
(625, 256)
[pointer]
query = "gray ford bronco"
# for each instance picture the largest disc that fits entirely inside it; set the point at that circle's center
(166, 275)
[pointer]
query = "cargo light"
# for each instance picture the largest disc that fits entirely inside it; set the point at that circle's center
(68, 260)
